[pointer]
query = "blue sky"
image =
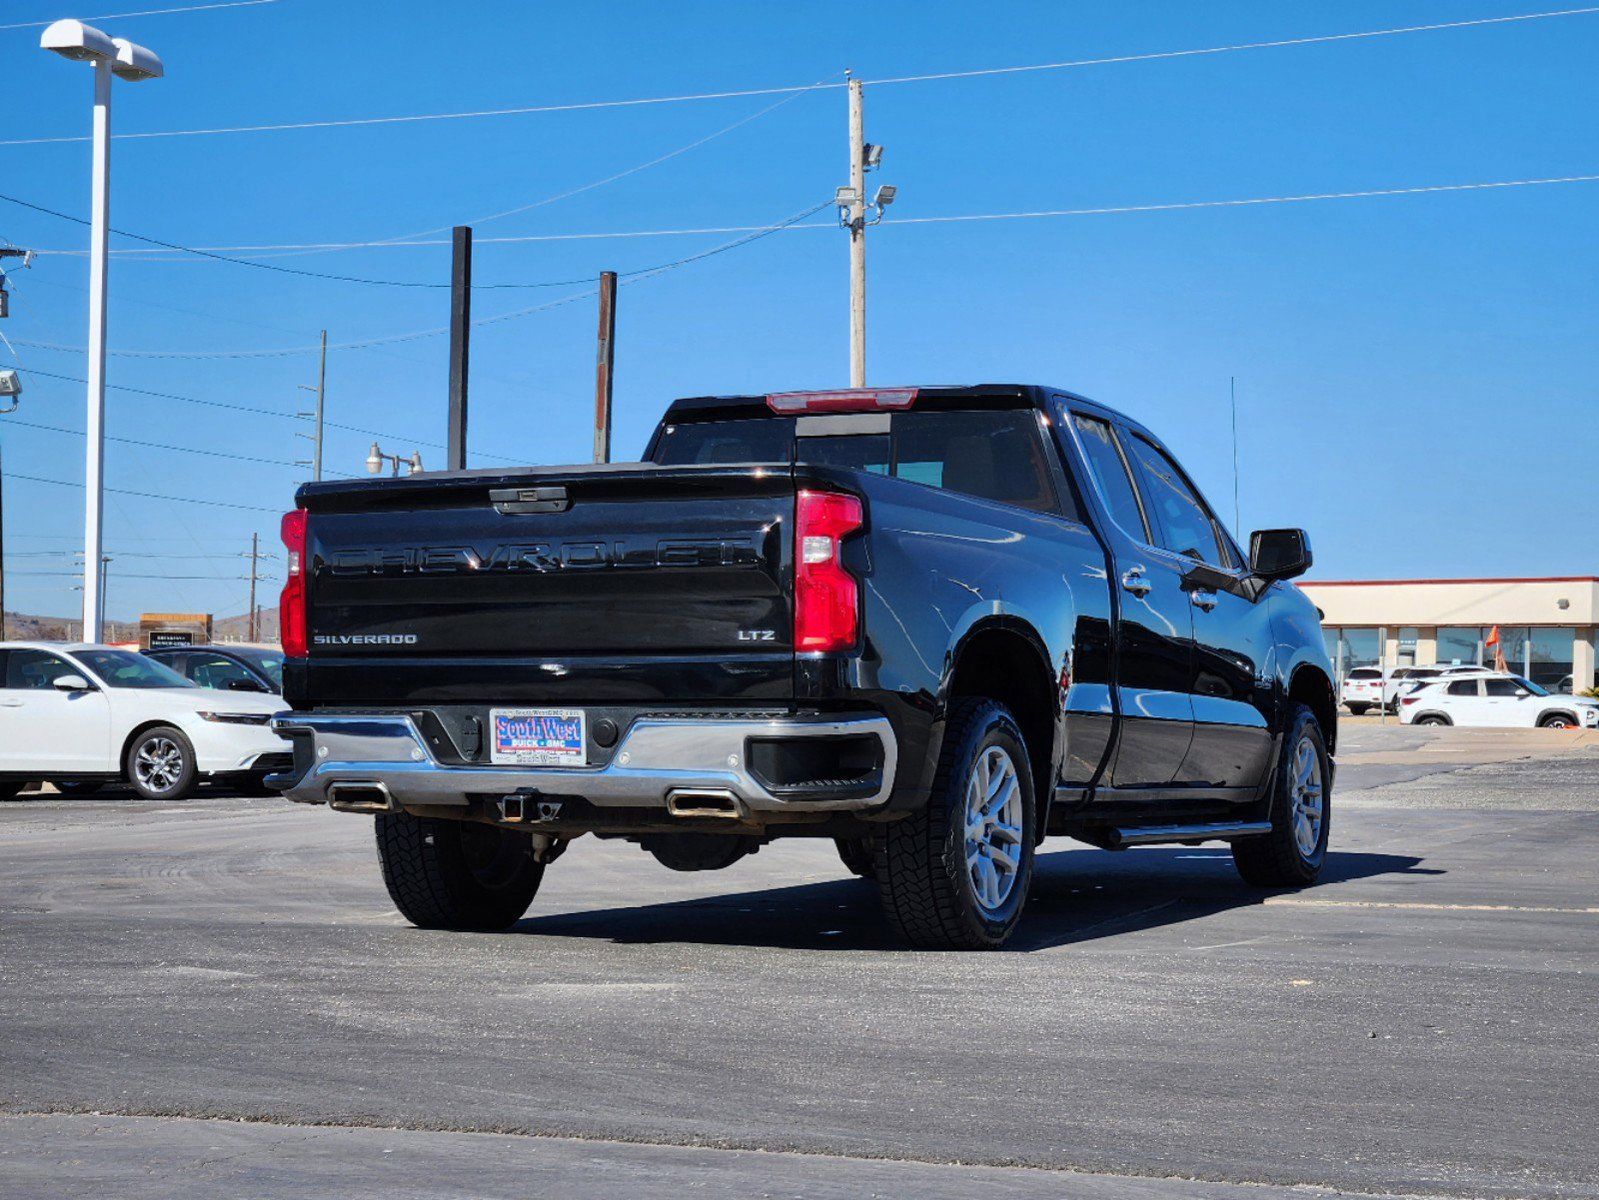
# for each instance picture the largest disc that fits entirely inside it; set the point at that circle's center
(1416, 375)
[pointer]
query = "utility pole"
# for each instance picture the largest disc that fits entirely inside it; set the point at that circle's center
(460, 338)
(316, 416)
(254, 554)
(2, 545)
(605, 368)
(855, 213)
(857, 238)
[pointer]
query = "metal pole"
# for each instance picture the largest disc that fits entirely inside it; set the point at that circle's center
(605, 368)
(460, 336)
(1382, 675)
(94, 458)
(321, 385)
(2, 545)
(254, 545)
(857, 238)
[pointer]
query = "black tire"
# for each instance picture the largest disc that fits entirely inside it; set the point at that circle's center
(859, 855)
(1558, 720)
(160, 764)
(1279, 858)
(456, 874)
(78, 787)
(1431, 719)
(924, 873)
(10, 791)
(1357, 710)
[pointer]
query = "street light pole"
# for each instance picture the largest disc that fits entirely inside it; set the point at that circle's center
(110, 56)
(857, 238)
(94, 452)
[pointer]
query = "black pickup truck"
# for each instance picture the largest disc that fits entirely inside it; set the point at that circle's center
(933, 624)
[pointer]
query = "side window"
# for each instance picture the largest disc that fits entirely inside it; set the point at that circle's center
(35, 670)
(994, 454)
(1184, 525)
(1502, 687)
(1110, 472)
(1463, 687)
(214, 671)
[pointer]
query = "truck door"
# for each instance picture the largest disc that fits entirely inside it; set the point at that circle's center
(1156, 630)
(1232, 692)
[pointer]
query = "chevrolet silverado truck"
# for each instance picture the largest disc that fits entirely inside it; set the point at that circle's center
(932, 624)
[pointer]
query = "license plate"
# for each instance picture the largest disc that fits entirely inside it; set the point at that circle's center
(538, 737)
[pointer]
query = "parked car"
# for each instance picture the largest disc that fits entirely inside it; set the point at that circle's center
(232, 668)
(80, 716)
(1363, 686)
(1490, 698)
(932, 624)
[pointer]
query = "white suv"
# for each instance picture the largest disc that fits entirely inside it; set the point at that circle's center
(1490, 698)
(1366, 687)
(80, 716)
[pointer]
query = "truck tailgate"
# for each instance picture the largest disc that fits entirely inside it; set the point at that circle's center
(625, 583)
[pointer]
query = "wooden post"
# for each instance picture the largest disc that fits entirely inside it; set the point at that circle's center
(460, 337)
(605, 368)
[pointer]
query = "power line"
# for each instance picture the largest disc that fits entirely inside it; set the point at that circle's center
(522, 110)
(260, 412)
(145, 495)
(149, 12)
(128, 575)
(271, 462)
(755, 234)
(1098, 210)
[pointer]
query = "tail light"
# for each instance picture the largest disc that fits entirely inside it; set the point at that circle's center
(826, 596)
(291, 608)
(1409, 699)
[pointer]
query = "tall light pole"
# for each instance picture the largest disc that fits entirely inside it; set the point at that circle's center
(119, 57)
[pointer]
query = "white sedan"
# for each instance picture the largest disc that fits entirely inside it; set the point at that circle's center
(80, 716)
(1489, 698)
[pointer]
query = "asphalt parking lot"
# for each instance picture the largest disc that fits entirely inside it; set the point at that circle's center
(216, 997)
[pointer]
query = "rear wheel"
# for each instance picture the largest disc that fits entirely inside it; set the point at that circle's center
(160, 764)
(859, 855)
(1292, 854)
(1358, 710)
(955, 875)
(456, 874)
(1430, 719)
(78, 787)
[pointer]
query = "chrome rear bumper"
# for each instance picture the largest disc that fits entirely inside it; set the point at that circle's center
(658, 758)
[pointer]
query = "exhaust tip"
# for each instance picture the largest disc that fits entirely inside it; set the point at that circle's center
(704, 802)
(361, 798)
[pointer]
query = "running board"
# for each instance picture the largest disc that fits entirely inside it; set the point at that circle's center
(1219, 831)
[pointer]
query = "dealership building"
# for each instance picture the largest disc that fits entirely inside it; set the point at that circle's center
(1546, 625)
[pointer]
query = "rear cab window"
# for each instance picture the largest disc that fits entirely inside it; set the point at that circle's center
(995, 454)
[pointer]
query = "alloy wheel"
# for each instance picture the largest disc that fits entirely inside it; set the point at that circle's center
(993, 828)
(1306, 796)
(159, 764)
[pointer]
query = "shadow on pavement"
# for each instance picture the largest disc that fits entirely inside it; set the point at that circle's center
(1077, 896)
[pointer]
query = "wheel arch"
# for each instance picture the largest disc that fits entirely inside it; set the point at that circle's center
(1310, 686)
(1004, 659)
(1543, 717)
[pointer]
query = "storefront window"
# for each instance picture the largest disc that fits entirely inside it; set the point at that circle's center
(1351, 648)
(1459, 645)
(1549, 658)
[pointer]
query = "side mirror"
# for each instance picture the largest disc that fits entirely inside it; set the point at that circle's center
(1279, 553)
(70, 683)
(244, 685)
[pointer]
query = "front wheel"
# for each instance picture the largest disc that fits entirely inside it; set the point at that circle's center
(1558, 721)
(955, 875)
(444, 874)
(1292, 854)
(160, 764)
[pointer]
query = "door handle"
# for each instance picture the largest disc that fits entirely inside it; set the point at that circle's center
(1133, 581)
(1203, 598)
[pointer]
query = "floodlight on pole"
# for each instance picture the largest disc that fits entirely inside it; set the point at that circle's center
(376, 460)
(131, 62)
